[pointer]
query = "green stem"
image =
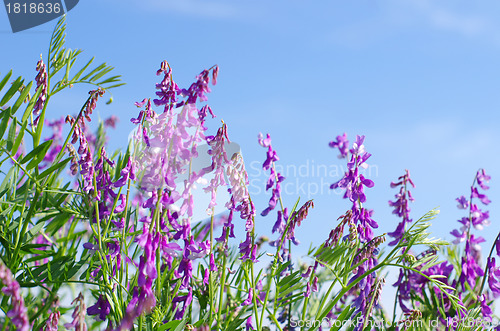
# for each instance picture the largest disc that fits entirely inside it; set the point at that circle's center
(222, 285)
(486, 270)
(27, 220)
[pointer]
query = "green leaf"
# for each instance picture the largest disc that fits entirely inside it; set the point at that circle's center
(170, 325)
(110, 80)
(19, 138)
(100, 74)
(21, 98)
(5, 79)
(113, 86)
(58, 266)
(5, 121)
(58, 38)
(75, 268)
(102, 66)
(40, 272)
(79, 73)
(13, 89)
(36, 155)
(34, 230)
(54, 168)
(31, 105)
(237, 321)
(6, 244)
(11, 137)
(6, 181)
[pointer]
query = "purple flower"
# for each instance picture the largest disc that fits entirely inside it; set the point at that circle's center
(111, 121)
(101, 308)
(200, 87)
(186, 301)
(486, 310)
(463, 203)
(401, 208)
(297, 218)
(475, 194)
(314, 287)
(198, 249)
(213, 267)
(52, 322)
(92, 103)
(147, 299)
(248, 250)
(127, 172)
(494, 277)
(308, 272)
(264, 142)
(271, 156)
(248, 324)
(307, 293)
(342, 144)
(78, 315)
(18, 314)
(482, 178)
(219, 162)
(281, 222)
(42, 84)
(470, 268)
(185, 269)
(248, 301)
(261, 293)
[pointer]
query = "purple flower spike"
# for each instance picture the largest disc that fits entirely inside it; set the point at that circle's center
(401, 206)
(18, 313)
(78, 315)
(41, 83)
(353, 183)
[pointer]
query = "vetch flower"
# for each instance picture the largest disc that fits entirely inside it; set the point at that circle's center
(186, 301)
(219, 163)
(42, 84)
(297, 218)
(101, 308)
(52, 322)
(18, 314)
(353, 183)
(342, 144)
(486, 310)
(78, 323)
(401, 208)
(493, 277)
(248, 300)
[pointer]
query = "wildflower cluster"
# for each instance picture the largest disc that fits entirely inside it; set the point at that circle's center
(122, 226)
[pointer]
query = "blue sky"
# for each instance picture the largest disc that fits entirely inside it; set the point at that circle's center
(421, 79)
